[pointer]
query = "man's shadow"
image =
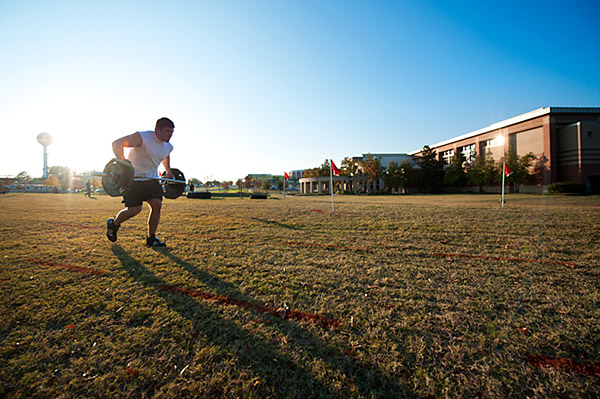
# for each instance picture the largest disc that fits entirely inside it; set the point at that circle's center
(289, 377)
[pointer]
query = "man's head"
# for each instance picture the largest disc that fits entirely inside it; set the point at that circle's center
(164, 129)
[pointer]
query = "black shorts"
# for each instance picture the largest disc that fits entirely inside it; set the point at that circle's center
(141, 191)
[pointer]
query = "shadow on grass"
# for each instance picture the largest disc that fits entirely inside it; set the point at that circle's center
(282, 376)
(368, 379)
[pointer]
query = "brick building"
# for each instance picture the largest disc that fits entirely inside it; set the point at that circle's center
(567, 140)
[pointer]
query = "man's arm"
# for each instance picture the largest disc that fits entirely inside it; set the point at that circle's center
(133, 140)
(167, 164)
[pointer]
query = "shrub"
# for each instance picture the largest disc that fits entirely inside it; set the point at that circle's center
(567, 188)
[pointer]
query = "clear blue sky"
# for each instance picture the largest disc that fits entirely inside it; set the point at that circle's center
(270, 86)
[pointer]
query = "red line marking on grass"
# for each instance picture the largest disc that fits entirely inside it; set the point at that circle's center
(541, 361)
(210, 237)
(329, 246)
(317, 210)
(68, 267)
(524, 330)
(487, 257)
(284, 314)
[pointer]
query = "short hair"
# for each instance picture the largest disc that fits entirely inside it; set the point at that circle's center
(164, 122)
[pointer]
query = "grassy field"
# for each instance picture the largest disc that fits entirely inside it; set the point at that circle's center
(405, 296)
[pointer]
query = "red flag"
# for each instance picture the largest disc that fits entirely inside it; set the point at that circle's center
(286, 175)
(334, 168)
(507, 170)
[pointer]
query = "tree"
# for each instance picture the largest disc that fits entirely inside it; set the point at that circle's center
(483, 171)
(398, 176)
(63, 174)
(349, 167)
(36, 180)
(324, 168)
(321, 171)
(51, 181)
(519, 165)
(407, 173)
(265, 185)
(22, 178)
(455, 174)
(311, 172)
(195, 182)
(279, 182)
(431, 175)
(475, 174)
(392, 177)
(372, 167)
(540, 170)
(248, 182)
(96, 182)
(77, 184)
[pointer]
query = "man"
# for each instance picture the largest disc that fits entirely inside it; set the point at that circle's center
(148, 150)
(88, 189)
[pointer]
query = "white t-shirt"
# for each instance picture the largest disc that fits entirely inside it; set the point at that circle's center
(146, 158)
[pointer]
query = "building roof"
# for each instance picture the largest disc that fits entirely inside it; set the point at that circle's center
(517, 119)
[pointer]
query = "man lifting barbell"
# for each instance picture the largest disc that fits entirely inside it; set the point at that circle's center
(148, 150)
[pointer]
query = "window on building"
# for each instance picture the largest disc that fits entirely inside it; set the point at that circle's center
(468, 153)
(447, 156)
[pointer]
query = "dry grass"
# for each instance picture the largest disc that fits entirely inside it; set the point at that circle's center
(446, 296)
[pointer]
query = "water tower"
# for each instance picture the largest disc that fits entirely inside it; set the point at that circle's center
(45, 139)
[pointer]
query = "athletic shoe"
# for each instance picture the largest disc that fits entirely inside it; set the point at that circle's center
(111, 230)
(152, 242)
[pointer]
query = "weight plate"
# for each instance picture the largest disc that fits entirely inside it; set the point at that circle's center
(118, 176)
(174, 190)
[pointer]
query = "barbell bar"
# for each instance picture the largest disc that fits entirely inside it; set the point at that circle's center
(102, 174)
(118, 176)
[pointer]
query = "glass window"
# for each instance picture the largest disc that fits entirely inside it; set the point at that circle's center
(468, 153)
(447, 156)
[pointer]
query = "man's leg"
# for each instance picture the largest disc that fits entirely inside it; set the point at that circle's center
(153, 220)
(126, 214)
(154, 217)
(112, 225)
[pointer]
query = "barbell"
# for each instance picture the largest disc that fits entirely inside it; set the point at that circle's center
(118, 175)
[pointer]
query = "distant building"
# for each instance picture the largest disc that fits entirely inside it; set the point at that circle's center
(271, 180)
(386, 158)
(296, 174)
(33, 188)
(264, 177)
(354, 184)
(566, 140)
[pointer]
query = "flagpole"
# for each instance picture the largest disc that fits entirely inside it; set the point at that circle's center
(503, 174)
(331, 184)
